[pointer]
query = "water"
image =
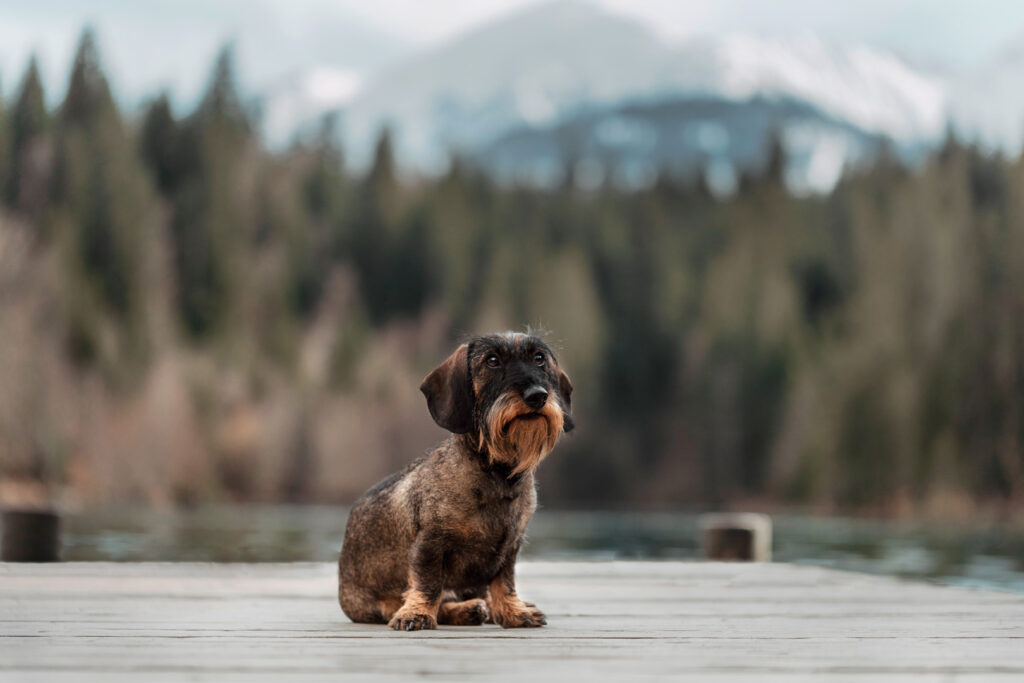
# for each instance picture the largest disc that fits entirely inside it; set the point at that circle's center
(984, 557)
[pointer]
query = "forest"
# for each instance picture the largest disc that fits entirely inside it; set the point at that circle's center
(189, 316)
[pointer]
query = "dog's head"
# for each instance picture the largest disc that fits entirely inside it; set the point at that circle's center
(508, 390)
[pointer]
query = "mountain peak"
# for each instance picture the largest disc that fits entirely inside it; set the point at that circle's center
(533, 65)
(866, 86)
(549, 62)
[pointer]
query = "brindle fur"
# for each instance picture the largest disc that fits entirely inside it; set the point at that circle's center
(437, 542)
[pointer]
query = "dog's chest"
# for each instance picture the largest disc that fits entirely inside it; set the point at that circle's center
(485, 536)
(494, 517)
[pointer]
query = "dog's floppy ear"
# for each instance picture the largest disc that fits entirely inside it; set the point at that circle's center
(565, 390)
(449, 393)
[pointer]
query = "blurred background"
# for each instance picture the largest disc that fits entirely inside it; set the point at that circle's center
(779, 247)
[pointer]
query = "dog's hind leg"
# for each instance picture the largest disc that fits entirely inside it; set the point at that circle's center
(462, 613)
(363, 608)
(387, 608)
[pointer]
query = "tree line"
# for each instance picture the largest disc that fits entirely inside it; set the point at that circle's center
(862, 350)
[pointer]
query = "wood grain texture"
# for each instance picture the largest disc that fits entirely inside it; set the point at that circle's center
(607, 621)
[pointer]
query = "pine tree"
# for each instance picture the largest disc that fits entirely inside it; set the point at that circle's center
(392, 253)
(88, 101)
(318, 236)
(4, 146)
(775, 167)
(158, 145)
(208, 226)
(380, 186)
(28, 123)
(97, 181)
(222, 103)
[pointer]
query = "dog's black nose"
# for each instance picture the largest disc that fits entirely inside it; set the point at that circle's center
(536, 396)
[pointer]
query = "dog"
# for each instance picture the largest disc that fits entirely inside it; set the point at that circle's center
(438, 541)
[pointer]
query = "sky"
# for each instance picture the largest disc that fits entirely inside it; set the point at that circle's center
(161, 44)
(963, 32)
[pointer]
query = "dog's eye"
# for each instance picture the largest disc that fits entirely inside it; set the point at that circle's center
(492, 361)
(538, 358)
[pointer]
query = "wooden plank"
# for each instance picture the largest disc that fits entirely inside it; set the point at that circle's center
(607, 621)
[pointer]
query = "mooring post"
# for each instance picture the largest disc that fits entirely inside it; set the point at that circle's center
(30, 536)
(743, 536)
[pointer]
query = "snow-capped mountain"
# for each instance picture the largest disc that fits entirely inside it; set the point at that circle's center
(866, 87)
(711, 135)
(541, 67)
(532, 67)
(550, 65)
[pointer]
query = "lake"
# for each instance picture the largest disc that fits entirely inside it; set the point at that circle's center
(986, 557)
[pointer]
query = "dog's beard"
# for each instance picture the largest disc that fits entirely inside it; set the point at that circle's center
(520, 437)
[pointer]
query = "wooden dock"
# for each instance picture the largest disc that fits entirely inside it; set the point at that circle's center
(607, 621)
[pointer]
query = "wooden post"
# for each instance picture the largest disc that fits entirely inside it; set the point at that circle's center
(30, 536)
(745, 537)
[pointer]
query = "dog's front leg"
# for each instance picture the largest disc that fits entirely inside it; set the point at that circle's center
(507, 610)
(423, 597)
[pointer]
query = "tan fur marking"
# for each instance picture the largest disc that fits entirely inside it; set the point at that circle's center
(508, 611)
(415, 607)
(388, 607)
(515, 437)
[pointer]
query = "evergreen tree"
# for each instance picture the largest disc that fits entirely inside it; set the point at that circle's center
(28, 123)
(88, 101)
(158, 145)
(464, 208)
(222, 103)
(324, 187)
(4, 147)
(326, 192)
(775, 168)
(316, 235)
(384, 246)
(383, 177)
(97, 182)
(208, 226)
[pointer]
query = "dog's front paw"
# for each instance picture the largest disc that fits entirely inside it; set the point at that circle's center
(412, 621)
(465, 613)
(523, 615)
